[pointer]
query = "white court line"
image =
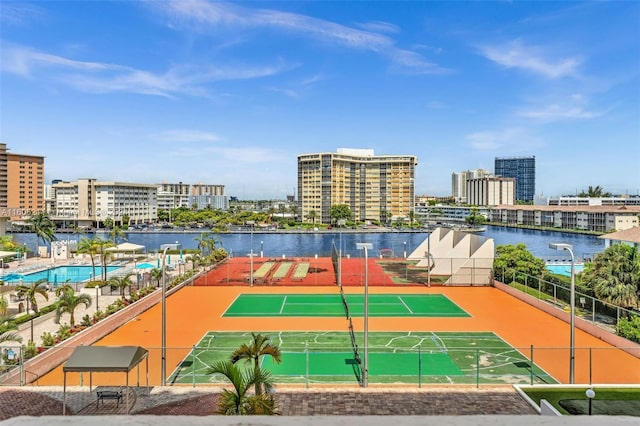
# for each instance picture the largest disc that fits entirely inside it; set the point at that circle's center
(405, 305)
(284, 302)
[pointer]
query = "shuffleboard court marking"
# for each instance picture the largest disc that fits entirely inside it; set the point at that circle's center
(405, 305)
(284, 302)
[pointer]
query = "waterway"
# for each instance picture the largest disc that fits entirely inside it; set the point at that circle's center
(276, 244)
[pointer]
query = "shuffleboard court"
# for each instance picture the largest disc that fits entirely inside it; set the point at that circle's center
(329, 305)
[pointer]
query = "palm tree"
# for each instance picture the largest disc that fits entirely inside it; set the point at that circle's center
(9, 335)
(88, 245)
(101, 246)
(30, 291)
(65, 288)
(258, 347)
(115, 233)
(312, 215)
(614, 275)
(237, 401)
(122, 283)
(68, 302)
(43, 227)
(157, 274)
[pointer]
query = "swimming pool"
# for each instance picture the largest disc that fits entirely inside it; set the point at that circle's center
(565, 269)
(60, 274)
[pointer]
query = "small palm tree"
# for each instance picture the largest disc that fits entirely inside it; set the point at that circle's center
(238, 401)
(30, 291)
(68, 302)
(258, 347)
(156, 274)
(117, 233)
(89, 246)
(9, 335)
(122, 283)
(43, 227)
(64, 288)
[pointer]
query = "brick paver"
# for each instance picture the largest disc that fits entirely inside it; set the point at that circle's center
(36, 401)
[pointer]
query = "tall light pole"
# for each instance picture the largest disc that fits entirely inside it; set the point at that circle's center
(572, 346)
(365, 370)
(261, 248)
(163, 349)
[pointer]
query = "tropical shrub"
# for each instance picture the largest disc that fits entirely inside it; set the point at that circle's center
(629, 328)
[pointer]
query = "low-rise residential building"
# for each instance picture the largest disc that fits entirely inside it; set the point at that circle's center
(587, 218)
(620, 200)
(88, 203)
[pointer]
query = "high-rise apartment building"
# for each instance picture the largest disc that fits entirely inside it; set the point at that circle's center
(21, 184)
(88, 202)
(375, 187)
(490, 191)
(523, 170)
(459, 183)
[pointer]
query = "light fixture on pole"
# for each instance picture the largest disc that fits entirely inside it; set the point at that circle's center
(405, 250)
(572, 303)
(163, 378)
(365, 365)
(261, 248)
(590, 394)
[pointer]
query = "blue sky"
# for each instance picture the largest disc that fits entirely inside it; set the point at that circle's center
(231, 93)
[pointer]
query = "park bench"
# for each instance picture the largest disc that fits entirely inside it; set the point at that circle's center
(108, 394)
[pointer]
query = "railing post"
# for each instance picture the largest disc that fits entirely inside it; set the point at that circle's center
(593, 310)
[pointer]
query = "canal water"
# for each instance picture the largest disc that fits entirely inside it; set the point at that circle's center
(275, 244)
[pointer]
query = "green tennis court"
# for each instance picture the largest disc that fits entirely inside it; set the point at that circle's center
(394, 357)
(330, 305)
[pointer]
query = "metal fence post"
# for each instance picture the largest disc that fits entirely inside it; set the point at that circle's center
(22, 369)
(593, 310)
(420, 365)
(306, 356)
(193, 366)
(477, 368)
(590, 365)
(531, 366)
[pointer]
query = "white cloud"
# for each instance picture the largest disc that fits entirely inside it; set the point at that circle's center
(574, 107)
(486, 141)
(534, 59)
(96, 77)
(186, 136)
(205, 15)
(380, 27)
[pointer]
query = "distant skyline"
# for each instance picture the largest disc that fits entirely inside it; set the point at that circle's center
(231, 93)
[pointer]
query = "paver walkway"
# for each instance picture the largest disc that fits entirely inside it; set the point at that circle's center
(201, 401)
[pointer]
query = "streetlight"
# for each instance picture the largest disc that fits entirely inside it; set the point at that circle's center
(365, 371)
(163, 379)
(569, 248)
(405, 249)
(590, 394)
(261, 248)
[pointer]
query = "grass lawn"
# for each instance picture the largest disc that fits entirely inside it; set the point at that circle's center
(608, 401)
